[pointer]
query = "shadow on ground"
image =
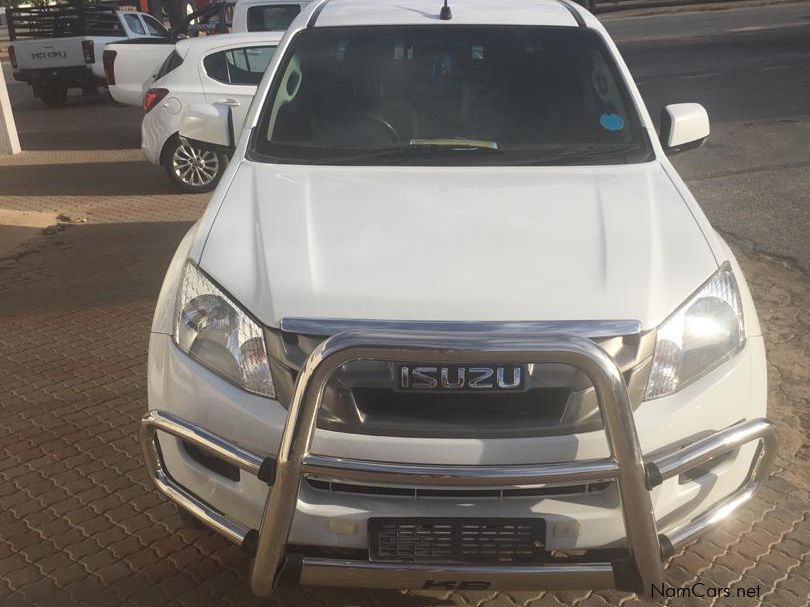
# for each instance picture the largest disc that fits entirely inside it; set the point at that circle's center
(83, 123)
(115, 139)
(85, 179)
(82, 267)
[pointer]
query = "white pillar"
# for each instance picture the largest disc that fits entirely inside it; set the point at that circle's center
(9, 141)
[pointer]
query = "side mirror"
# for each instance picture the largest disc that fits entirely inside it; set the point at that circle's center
(684, 126)
(208, 126)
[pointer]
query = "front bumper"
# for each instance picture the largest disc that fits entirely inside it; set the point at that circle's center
(635, 476)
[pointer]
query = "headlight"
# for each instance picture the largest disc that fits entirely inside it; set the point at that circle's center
(214, 330)
(705, 331)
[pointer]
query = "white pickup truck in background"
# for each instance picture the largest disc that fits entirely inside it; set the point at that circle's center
(130, 65)
(59, 47)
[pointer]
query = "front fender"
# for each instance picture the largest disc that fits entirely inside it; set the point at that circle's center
(163, 320)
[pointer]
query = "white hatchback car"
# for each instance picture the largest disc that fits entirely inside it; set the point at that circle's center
(451, 319)
(222, 69)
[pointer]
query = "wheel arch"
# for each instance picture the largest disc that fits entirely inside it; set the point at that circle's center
(165, 148)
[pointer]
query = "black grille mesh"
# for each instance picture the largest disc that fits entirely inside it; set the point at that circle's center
(457, 540)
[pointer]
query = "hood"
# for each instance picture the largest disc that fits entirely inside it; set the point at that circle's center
(430, 243)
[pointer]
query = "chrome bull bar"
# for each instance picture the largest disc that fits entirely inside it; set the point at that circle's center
(635, 478)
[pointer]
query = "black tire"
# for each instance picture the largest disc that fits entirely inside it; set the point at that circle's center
(53, 96)
(193, 170)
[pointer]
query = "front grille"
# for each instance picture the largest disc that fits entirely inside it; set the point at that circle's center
(363, 396)
(392, 413)
(457, 540)
(416, 493)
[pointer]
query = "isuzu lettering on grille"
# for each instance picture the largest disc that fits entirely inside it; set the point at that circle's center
(461, 378)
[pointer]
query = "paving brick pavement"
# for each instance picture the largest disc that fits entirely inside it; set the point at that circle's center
(80, 523)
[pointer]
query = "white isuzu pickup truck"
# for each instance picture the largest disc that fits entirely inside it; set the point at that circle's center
(58, 47)
(131, 66)
(451, 319)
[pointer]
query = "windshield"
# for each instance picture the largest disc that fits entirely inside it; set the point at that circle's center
(439, 95)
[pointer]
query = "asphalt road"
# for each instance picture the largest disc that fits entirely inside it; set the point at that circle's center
(750, 68)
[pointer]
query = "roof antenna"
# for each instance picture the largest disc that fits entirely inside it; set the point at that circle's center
(446, 13)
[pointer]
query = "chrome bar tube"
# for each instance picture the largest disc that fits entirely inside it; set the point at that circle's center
(439, 347)
(206, 514)
(712, 446)
(506, 477)
(738, 435)
(296, 461)
(192, 433)
(620, 429)
(354, 574)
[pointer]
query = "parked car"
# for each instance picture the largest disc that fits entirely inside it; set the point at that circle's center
(59, 47)
(452, 320)
(130, 74)
(131, 67)
(218, 70)
(266, 15)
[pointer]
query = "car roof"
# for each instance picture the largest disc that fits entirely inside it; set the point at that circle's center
(205, 43)
(334, 13)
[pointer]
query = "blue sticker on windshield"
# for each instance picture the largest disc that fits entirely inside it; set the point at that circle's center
(612, 122)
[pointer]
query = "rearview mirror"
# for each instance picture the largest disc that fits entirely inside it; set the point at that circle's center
(684, 126)
(208, 126)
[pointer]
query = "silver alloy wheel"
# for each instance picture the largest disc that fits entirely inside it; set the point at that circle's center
(195, 167)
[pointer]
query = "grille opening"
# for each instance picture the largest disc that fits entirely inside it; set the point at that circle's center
(212, 463)
(457, 540)
(414, 493)
(392, 413)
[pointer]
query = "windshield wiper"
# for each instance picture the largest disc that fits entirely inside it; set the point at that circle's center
(416, 148)
(456, 143)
